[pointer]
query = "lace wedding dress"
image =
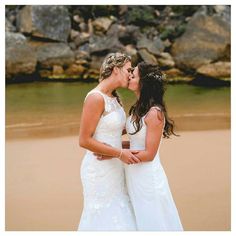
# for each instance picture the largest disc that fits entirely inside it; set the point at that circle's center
(149, 190)
(106, 202)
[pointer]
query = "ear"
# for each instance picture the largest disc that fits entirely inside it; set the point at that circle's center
(116, 70)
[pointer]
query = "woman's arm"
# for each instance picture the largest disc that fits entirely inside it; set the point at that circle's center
(92, 111)
(154, 122)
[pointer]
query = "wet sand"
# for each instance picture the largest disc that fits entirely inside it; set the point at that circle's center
(43, 187)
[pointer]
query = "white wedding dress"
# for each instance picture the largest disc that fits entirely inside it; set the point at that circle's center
(106, 202)
(149, 190)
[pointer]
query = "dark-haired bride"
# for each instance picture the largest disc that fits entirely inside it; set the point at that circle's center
(148, 122)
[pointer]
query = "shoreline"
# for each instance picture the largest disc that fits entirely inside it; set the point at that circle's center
(43, 186)
(185, 123)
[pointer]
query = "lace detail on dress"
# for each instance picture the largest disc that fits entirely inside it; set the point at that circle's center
(106, 201)
(111, 103)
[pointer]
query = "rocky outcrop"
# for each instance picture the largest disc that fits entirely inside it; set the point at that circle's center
(205, 40)
(71, 41)
(20, 57)
(51, 22)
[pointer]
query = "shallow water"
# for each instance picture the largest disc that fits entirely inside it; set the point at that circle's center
(43, 109)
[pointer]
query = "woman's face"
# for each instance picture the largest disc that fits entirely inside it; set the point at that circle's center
(134, 80)
(124, 74)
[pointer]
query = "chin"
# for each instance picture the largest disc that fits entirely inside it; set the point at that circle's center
(130, 88)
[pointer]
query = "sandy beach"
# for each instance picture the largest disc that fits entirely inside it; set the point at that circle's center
(43, 187)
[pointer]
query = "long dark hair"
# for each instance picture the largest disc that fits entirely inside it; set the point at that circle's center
(152, 89)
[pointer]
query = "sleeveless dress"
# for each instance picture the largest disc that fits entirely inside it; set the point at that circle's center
(106, 202)
(149, 190)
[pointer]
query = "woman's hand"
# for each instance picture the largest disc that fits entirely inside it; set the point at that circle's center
(128, 157)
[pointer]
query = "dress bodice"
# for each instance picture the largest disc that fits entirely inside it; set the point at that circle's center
(112, 122)
(138, 140)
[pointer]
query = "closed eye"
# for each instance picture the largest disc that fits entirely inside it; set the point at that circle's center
(130, 70)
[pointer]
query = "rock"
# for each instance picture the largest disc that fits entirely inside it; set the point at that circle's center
(57, 70)
(147, 57)
(85, 48)
(20, 57)
(81, 39)
(166, 60)
(83, 27)
(90, 27)
(96, 62)
(174, 72)
(82, 62)
(73, 34)
(92, 74)
(167, 43)
(45, 73)
(219, 8)
(218, 69)
(72, 46)
(123, 9)
(205, 40)
(155, 46)
(129, 31)
(126, 34)
(106, 43)
(131, 51)
(49, 54)
(77, 19)
(102, 23)
(224, 11)
(82, 55)
(9, 27)
(141, 15)
(45, 21)
(75, 69)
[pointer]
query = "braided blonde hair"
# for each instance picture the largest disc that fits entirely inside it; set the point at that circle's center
(110, 61)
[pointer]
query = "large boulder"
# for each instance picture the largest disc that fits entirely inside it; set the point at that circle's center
(206, 39)
(51, 22)
(219, 69)
(49, 54)
(20, 57)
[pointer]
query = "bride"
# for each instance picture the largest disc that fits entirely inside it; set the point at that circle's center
(147, 183)
(106, 202)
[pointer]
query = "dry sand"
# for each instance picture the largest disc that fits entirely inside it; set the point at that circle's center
(43, 187)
